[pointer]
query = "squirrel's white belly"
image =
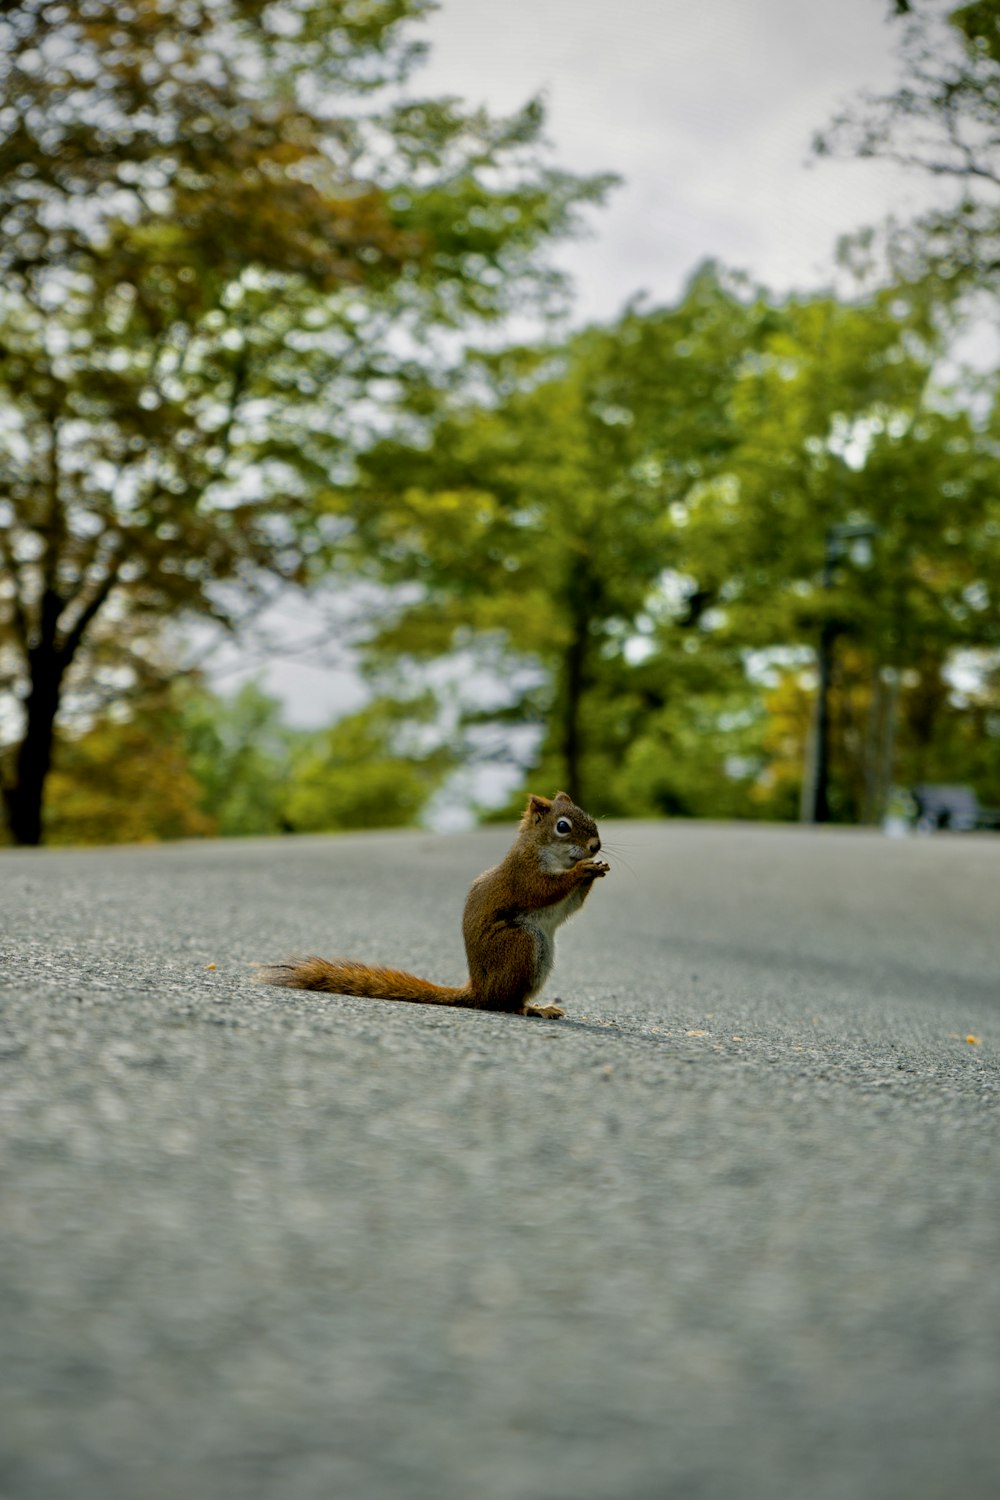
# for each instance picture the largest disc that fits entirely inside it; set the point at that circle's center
(542, 925)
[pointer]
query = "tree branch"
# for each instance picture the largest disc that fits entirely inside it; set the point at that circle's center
(71, 640)
(21, 629)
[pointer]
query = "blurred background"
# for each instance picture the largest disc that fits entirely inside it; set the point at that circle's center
(407, 404)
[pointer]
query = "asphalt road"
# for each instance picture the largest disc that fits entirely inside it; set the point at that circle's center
(731, 1231)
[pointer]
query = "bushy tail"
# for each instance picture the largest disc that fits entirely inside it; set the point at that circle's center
(343, 976)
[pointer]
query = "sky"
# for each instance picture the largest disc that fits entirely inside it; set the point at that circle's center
(707, 112)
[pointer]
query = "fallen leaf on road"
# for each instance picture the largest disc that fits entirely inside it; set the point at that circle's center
(696, 1033)
(974, 1041)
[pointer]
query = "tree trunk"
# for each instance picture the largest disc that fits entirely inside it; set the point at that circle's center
(872, 800)
(574, 681)
(23, 798)
(889, 736)
(880, 744)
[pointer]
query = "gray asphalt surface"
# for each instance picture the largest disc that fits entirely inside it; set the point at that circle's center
(729, 1232)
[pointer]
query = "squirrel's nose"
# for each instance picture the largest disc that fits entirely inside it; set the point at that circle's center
(594, 845)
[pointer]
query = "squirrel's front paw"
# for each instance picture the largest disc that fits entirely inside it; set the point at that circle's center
(595, 868)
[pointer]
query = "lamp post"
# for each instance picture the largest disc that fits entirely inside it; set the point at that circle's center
(817, 804)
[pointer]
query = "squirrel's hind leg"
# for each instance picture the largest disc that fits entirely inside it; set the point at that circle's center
(546, 1012)
(506, 968)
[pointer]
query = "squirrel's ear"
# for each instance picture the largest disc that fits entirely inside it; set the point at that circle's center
(537, 808)
(563, 797)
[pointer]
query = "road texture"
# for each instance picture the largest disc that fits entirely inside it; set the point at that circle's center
(731, 1231)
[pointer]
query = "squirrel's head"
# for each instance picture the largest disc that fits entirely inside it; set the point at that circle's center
(563, 831)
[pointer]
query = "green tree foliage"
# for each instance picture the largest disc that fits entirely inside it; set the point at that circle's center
(947, 727)
(238, 751)
(642, 517)
(914, 727)
(225, 237)
(842, 427)
(191, 763)
(944, 123)
(257, 775)
(536, 510)
(368, 771)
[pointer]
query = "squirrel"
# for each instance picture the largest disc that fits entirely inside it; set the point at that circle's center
(511, 915)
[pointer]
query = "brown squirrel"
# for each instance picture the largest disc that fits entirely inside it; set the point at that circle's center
(511, 916)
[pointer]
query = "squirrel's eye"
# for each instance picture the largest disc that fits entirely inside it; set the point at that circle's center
(563, 825)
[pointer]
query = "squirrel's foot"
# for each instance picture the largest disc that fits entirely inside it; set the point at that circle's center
(544, 1012)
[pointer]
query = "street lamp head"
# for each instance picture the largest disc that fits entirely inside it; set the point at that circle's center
(839, 537)
(851, 531)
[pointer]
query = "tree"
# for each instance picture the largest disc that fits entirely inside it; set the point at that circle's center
(943, 122)
(634, 525)
(239, 751)
(190, 763)
(255, 774)
(369, 770)
(843, 428)
(534, 510)
(223, 239)
(124, 781)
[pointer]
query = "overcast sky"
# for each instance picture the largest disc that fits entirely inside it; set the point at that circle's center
(707, 111)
